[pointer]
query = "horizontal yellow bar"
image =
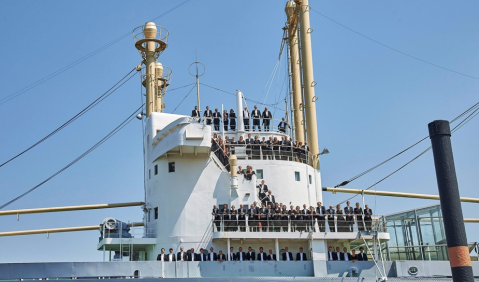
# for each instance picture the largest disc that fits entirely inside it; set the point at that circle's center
(393, 194)
(71, 208)
(58, 230)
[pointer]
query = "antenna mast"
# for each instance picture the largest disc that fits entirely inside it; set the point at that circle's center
(196, 63)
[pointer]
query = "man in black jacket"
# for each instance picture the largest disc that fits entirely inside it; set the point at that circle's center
(225, 213)
(287, 256)
(345, 256)
(271, 256)
(252, 220)
(192, 256)
(250, 255)
(240, 255)
(171, 256)
(368, 220)
(212, 255)
(182, 255)
(207, 115)
(331, 254)
(349, 212)
(266, 118)
(231, 255)
(221, 257)
(217, 217)
(261, 255)
(242, 211)
(282, 126)
(256, 115)
(331, 213)
(216, 119)
(301, 256)
(320, 214)
(196, 114)
(162, 255)
(263, 189)
(362, 256)
(201, 256)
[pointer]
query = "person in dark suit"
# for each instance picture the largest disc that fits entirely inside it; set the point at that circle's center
(261, 255)
(252, 220)
(340, 221)
(171, 256)
(331, 213)
(301, 256)
(207, 115)
(282, 126)
(201, 256)
(338, 253)
(221, 257)
(233, 225)
(270, 200)
(331, 254)
(226, 117)
(287, 256)
(182, 255)
(362, 256)
(354, 256)
(349, 213)
(345, 256)
(231, 255)
(161, 256)
(271, 256)
(250, 255)
(263, 189)
(192, 256)
(240, 255)
(196, 114)
(242, 211)
(263, 215)
(246, 117)
(368, 220)
(216, 119)
(225, 214)
(266, 118)
(358, 211)
(232, 120)
(217, 217)
(320, 214)
(256, 115)
(212, 256)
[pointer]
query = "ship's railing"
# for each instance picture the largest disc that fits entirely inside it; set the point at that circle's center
(134, 232)
(273, 152)
(300, 223)
(229, 128)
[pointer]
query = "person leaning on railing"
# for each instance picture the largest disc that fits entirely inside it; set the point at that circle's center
(331, 212)
(225, 120)
(340, 221)
(367, 217)
(232, 120)
(358, 211)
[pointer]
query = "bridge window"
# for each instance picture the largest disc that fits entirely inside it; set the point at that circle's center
(296, 176)
(171, 167)
(259, 174)
(310, 179)
(156, 169)
(156, 213)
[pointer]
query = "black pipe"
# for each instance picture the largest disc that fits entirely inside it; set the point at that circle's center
(459, 259)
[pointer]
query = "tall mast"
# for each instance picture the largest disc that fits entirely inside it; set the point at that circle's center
(151, 41)
(308, 81)
(197, 75)
(293, 43)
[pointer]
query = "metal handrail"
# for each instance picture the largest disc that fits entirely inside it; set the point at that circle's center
(273, 127)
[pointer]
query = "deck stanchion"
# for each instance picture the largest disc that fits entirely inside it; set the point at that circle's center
(459, 259)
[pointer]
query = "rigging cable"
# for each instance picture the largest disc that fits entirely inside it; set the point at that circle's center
(71, 65)
(457, 127)
(394, 49)
(274, 106)
(475, 106)
(99, 143)
(75, 117)
(184, 97)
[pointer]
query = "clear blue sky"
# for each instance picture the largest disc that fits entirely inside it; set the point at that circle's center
(372, 103)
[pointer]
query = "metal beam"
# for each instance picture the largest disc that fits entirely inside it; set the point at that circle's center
(471, 220)
(393, 194)
(71, 208)
(58, 230)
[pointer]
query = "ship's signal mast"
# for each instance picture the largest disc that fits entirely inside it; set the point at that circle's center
(151, 40)
(197, 74)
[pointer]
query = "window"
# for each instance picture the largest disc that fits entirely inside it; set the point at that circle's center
(156, 169)
(310, 179)
(156, 213)
(296, 176)
(171, 167)
(149, 174)
(259, 174)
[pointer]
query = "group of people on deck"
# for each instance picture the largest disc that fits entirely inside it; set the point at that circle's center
(275, 216)
(229, 119)
(250, 255)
